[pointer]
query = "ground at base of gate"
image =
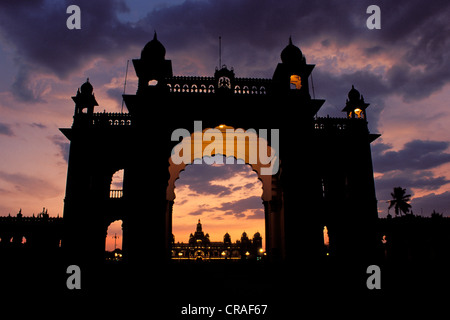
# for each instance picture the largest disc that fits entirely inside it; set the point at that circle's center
(285, 289)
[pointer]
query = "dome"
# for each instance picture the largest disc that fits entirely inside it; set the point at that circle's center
(153, 50)
(87, 88)
(291, 53)
(354, 95)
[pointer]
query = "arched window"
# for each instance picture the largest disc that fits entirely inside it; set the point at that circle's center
(262, 90)
(116, 187)
(296, 82)
(113, 241)
(359, 113)
(326, 239)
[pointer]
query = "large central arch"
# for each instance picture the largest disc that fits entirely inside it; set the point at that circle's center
(240, 145)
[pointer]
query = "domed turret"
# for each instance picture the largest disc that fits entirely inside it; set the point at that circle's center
(85, 99)
(86, 88)
(152, 68)
(355, 106)
(291, 75)
(353, 94)
(153, 50)
(291, 54)
(227, 238)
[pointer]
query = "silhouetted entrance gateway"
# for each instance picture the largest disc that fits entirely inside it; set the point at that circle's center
(325, 175)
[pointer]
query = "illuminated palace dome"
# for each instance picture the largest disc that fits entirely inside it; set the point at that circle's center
(199, 236)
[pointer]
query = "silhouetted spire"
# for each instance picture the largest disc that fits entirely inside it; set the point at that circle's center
(153, 50)
(353, 94)
(355, 107)
(291, 54)
(87, 88)
(85, 98)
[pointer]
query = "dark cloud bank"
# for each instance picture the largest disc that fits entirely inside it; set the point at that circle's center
(410, 167)
(253, 33)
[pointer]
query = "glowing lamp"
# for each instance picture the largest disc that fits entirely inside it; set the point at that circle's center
(296, 82)
(358, 112)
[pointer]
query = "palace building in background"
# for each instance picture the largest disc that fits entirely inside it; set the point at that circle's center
(200, 247)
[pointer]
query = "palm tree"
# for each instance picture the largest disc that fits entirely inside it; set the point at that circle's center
(400, 201)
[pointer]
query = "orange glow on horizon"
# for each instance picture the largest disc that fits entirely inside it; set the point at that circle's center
(114, 230)
(235, 207)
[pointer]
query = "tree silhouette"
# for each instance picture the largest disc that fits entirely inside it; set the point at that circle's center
(400, 201)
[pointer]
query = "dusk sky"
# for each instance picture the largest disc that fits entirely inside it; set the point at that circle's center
(402, 69)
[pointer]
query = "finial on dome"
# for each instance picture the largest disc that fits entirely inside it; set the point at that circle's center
(291, 53)
(153, 50)
(87, 88)
(353, 94)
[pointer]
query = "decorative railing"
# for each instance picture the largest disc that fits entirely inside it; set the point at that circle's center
(111, 119)
(209, 85)
(337, 124)
(115, 194)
